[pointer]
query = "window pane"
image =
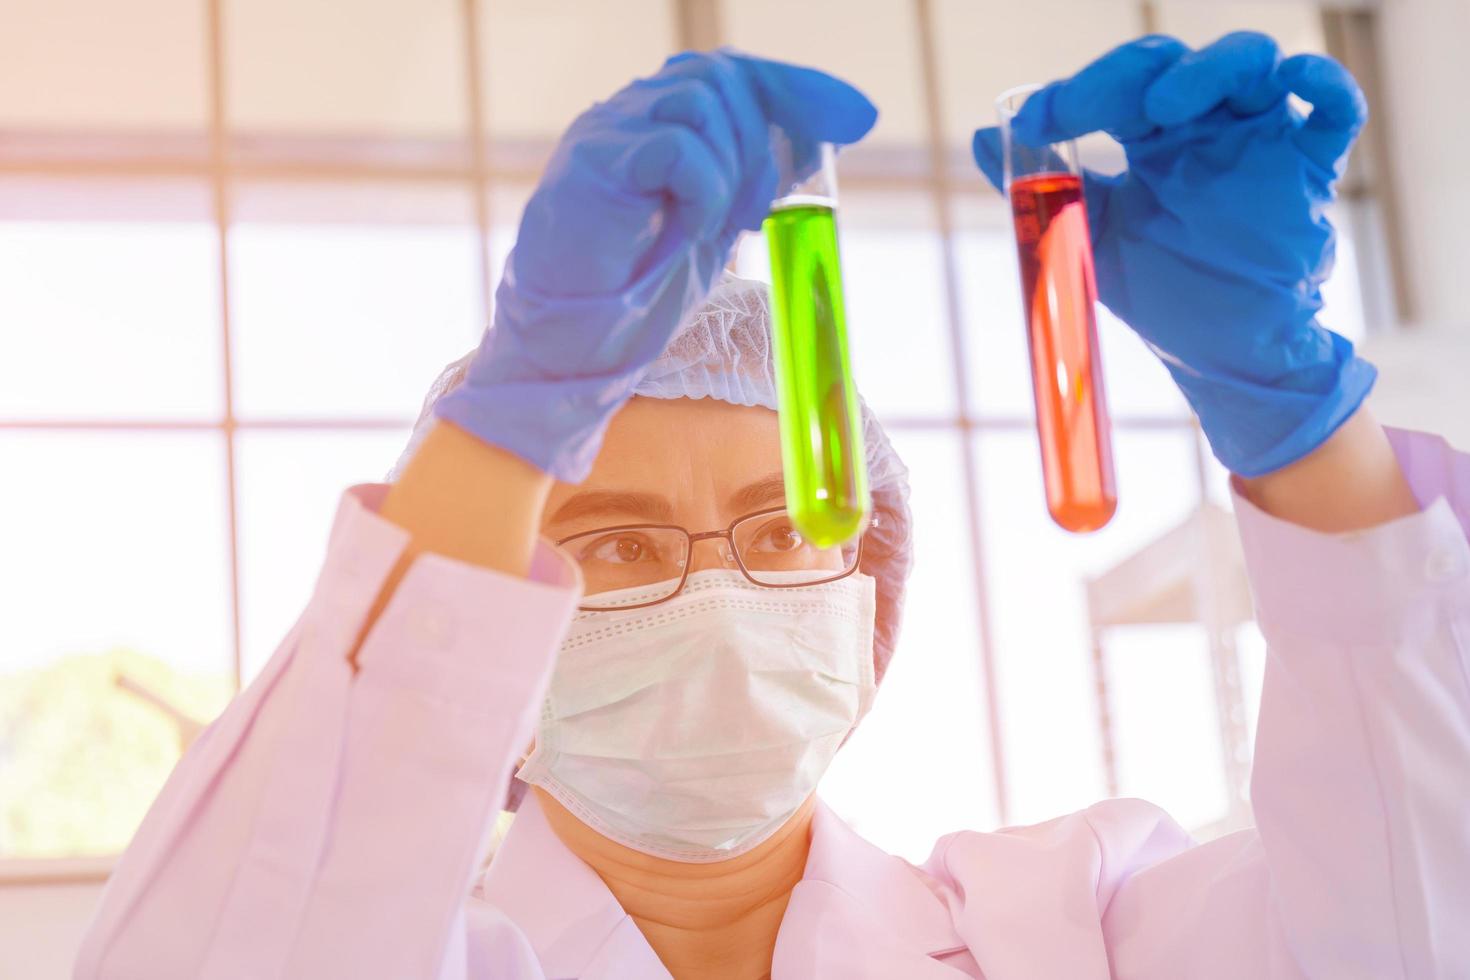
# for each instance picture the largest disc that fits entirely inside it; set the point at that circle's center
(1000, 369)
(873, 45)
(348, 299)
(290, 483)
(368, 68)
(1252, 648)
(545, 61)
(985, 49)
(78, 64)
(1039, 608)
(919, 765)
(1217, 477)
(118, 545)
(110, 298)
(990, 295)
(1295, 26)
(893, 270)
(1343, 301)
(1165, 721)
(893, 275)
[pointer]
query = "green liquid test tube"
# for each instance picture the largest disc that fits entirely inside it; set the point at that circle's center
(821, 426)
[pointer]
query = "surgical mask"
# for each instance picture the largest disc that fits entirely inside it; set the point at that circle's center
(694, 729)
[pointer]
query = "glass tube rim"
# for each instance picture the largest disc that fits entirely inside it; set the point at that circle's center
(1003, 100)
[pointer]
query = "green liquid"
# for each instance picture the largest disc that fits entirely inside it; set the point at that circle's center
(821, 428)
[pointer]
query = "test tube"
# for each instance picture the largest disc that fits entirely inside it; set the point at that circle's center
(821, 426)
(1054, 246)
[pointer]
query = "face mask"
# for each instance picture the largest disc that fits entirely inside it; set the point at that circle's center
(693, 729)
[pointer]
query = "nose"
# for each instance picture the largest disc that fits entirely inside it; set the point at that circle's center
(711, 553)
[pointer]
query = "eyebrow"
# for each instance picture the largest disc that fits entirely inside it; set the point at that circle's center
(643, 506)
(768, 491)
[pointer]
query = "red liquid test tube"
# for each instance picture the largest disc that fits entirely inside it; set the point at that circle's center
(1060, 295)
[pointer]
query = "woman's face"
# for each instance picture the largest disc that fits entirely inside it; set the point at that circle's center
(696, 463)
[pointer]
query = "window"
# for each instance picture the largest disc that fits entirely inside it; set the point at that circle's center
(82, 757)
(238, 240)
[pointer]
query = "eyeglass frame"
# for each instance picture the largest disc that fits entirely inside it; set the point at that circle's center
(728, 534)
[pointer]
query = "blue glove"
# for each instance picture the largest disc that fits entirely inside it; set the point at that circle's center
(1214, 243)
(627, 232)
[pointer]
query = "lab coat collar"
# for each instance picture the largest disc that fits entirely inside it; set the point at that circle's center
(876, 880)
(860, 912)
(855, 906)
(572, 920)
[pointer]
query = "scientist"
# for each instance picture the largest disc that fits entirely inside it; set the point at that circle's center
(583, 573)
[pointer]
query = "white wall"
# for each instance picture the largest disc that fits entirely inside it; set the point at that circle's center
(1426, 78)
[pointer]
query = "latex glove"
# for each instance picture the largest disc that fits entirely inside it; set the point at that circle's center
(628, 230)
(1214, 243)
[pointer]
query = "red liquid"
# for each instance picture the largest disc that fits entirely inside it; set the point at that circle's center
(1066, 372)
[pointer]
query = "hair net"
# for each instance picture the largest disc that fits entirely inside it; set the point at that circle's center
(724, 352)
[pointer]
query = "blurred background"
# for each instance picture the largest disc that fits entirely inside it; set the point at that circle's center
(239, 239)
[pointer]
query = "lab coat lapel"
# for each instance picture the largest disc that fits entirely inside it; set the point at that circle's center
(572, 920)
(859, 912)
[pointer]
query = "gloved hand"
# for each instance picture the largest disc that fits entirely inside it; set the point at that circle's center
(1214, 243)
(628, 230)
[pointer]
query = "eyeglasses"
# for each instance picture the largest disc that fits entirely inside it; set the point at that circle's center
(765, 546)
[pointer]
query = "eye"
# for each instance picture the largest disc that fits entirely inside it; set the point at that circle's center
(621, 549)
(779, 537)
